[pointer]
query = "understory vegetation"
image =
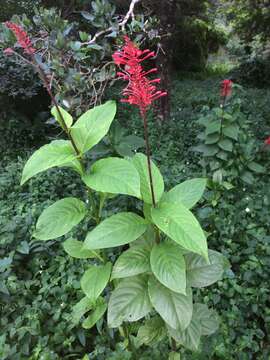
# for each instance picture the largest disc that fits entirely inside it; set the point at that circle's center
(40, 283)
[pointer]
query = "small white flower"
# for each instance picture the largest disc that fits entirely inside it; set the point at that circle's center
(247, 210)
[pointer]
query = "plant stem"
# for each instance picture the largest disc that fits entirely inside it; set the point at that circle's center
(148, 154)
(47, 86)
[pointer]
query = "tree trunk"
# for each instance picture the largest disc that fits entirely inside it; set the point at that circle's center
(166, 12)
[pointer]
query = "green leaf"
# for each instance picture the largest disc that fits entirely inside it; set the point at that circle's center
(132, 262)
(152, 332)
(59, 218)
(174, 356)
(129, 301)
(200, 273)
(231, 131)
(207, 317)
(257, 168)
(93, 125)
(247, 177)
(75, 249)
(190, 337)
(128, 145)
(97, 314)
(66, 116)
(213, 127)
(82, 307)
(226, 145)
(95, 280)
(188, 193)
(119, 229)
(115, 176)
(168, 266)
(174, 308)
(222, 155)
(212, 139)
(140, 162)
(177, 222)
(207, 150)
(57, 153)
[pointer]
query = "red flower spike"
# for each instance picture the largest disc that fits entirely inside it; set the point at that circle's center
(226, 88)
(140, 90)
(267, 141)
(8, 51)
(22, 38)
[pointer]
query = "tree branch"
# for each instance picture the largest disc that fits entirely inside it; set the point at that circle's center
(121, 24)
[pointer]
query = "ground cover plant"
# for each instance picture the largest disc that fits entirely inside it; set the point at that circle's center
(243, 310)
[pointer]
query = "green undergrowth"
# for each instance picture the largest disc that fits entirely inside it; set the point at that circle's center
(39, 283)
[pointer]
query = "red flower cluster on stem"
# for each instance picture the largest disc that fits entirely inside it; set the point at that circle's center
(22, 38)
(226, 88)
(140, 91)
(267, 141)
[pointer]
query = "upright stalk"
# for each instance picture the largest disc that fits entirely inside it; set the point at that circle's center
(47, 86)
(148, 154)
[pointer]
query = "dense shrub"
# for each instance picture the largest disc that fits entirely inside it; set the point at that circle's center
(254, 72)
(20, 88)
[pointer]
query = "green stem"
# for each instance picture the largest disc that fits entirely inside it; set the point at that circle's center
(47, 86)
(148, 154)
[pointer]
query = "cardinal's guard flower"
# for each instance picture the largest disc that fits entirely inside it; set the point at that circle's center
(140, 90)
(226, 88)
(267, 141)
(22, 38)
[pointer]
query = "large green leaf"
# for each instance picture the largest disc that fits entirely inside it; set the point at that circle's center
(129, 301)
(140, 162)
(75, 249)
(213, 126)
(59, 218)
(207, 150)
(231, 131)
(95, 279)
(57, 153)
(119, 229)
(66, 116)
(168, 265)
(176, 221)
(207, 317)
(93, 125)
(226, 144)
(190, 337)
(96, 314)
(201, 273)
(79, 309)
(115, 176)
(152, 332)
(174, 308)
(132, 262)
(187, 193)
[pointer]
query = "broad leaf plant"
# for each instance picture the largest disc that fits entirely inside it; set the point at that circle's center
(165, 253)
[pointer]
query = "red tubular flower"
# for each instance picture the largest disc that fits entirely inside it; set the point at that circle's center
(267, 141)
(8, 51)
(140, 90)
(226, 88)
(22, 38)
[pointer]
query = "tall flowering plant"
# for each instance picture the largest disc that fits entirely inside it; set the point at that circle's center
(228, 150)
(140, 91)
(165, 255)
